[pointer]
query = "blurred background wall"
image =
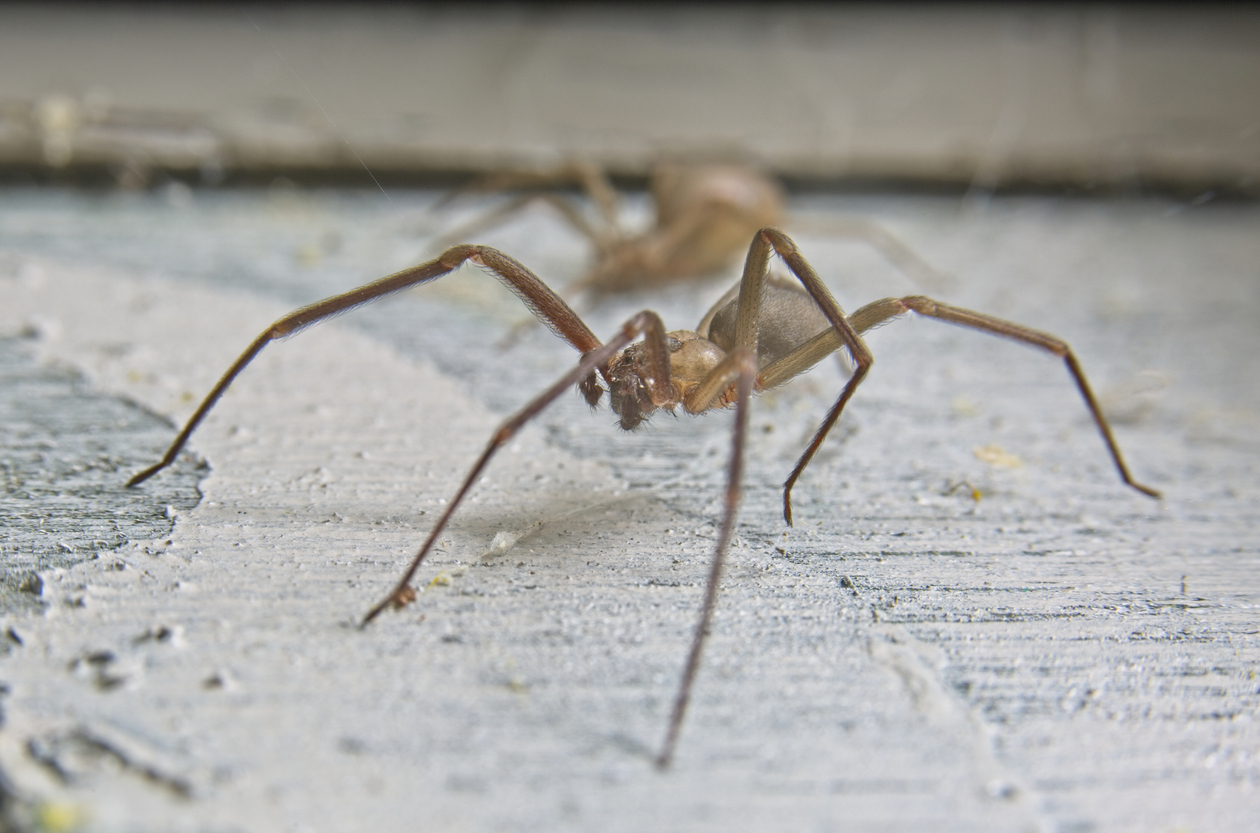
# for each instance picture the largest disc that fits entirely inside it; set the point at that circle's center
(1112, 98)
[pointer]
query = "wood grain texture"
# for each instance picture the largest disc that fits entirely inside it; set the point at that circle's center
(1062, 654)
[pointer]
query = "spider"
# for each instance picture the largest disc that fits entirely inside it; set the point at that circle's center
(761, 334)
(704, 215)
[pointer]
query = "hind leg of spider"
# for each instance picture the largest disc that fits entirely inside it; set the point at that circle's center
(879, 311)
(840, 334)
(1044, 341)
(501, 214)
(592, 180)
(889, 246)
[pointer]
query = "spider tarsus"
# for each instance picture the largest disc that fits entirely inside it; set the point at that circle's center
(397, 600)
(140, 477)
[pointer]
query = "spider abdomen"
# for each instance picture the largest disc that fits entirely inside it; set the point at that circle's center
(789, 318)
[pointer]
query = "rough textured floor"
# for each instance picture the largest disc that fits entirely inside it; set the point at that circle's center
(1060, 654)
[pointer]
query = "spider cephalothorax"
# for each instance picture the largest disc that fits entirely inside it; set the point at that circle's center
(631, 393)
(628, 394)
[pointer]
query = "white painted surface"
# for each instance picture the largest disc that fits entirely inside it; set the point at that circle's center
(1064, 654)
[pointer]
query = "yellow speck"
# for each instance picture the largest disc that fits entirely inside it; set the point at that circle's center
(309, 255)
(964, 406)
(995, 455)
(972, 491)
(442, 579)
(58, 817)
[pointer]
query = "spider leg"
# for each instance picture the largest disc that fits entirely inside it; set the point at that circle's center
(1051, 344)
(739, 367)
(545, 304)
(751, 293)
(594, 181)
(500, 214)
(605, 238)
(688, 247)
(645, 323)
(590, 177)
(877, 312)
(891, 247)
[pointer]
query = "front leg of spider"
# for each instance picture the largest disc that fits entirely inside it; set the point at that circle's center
(647, 324)
(549, 307)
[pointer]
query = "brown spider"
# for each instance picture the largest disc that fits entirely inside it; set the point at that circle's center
(752, 340)
(704, 215)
